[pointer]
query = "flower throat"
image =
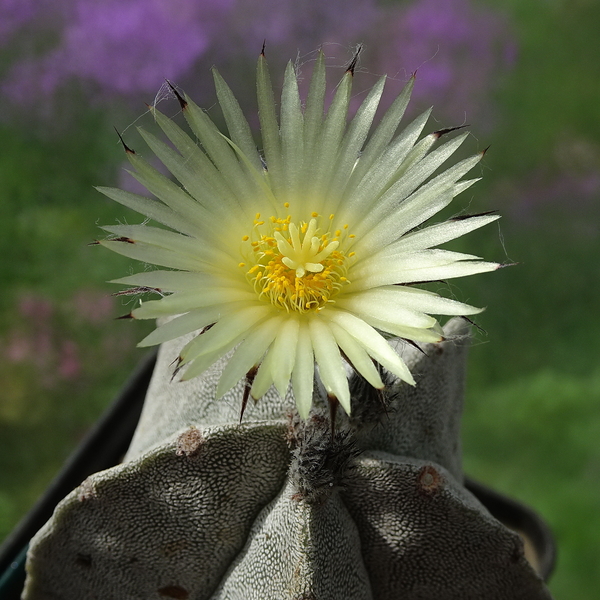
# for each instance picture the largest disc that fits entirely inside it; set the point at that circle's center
(298, 267)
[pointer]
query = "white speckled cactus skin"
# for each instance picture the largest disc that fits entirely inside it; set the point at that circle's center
(205, 508)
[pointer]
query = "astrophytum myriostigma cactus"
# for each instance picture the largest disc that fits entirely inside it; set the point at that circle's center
(276, 508)
(291, 280)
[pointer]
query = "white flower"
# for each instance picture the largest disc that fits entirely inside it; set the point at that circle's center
(307, 256)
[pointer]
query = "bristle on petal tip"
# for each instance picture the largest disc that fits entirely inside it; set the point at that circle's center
(182, 101)
(474, 216)
(440, 132)
(352, 66)
(249, 380)
(127, 149)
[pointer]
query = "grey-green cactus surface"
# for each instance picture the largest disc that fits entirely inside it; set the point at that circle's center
(206, 508)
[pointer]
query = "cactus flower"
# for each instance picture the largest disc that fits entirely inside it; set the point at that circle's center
(305, 254)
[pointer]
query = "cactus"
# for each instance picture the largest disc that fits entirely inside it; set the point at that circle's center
(207, 508)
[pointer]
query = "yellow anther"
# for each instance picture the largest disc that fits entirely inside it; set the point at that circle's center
(352, 254)
(242, 265)
(331, 217)
(245, 238)
(351, 235)
(286, 204)
(299, 266)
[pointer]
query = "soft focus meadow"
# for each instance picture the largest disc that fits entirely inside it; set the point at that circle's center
(522, 74)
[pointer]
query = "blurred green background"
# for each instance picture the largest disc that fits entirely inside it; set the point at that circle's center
(523, 73)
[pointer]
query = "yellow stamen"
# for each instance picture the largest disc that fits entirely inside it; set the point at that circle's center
(297, 267)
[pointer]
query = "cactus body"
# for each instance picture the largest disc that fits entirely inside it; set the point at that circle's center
(277, 508)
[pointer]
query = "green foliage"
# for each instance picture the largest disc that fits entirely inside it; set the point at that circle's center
(62, 355)
(535, 438)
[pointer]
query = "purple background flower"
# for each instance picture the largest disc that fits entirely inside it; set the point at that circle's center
(14, 14)
(125, 48)
(122, 46)
(39, 339)
(132, 46)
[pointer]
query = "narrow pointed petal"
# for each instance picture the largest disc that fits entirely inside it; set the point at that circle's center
(303, 373)
(284, 354)
(195, 185)
(368, 189)
(196, 162)
(148, 253)
(268, 125)
(168, 281)
(237, 125)
(192, 321)
(394, 300)
(357, 355)
(248, 354)
(167, 191)
(407, 184)
(203, 362)
(313, 115)
(373, 343)
(435, 235)
(151, 208)
(292, 133)
(354, 139)
(168, 240)
(428, 265)
(333, 130)
(331, 367)
(232, 327)
(264, 378)
(213, 142)
(427, 336)
(179, 303)
(362, 305)
(383, 134)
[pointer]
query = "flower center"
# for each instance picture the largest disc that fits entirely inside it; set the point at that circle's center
(296, 266)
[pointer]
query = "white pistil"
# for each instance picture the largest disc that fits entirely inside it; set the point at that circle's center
(303, 256)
